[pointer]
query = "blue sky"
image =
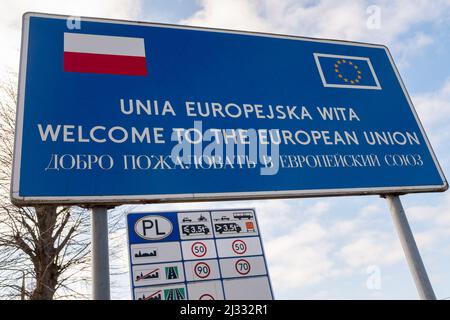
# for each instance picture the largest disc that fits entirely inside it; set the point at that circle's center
(319, 248)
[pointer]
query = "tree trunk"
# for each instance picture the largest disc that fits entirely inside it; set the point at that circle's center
(45, 264)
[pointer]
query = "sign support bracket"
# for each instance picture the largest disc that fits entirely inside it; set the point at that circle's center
(100, 254)
(410, 249)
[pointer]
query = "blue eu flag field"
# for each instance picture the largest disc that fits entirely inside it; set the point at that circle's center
(346, 72)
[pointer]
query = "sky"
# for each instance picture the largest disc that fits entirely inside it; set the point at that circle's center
(323, 248)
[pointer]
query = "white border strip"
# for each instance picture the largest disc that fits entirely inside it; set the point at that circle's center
(22, 201)
(99, 44)
(17, 155)
(347, 86)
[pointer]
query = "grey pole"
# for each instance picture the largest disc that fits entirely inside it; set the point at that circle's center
(100, 254)
(410, 249)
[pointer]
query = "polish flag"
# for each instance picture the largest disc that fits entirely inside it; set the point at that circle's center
(90, 53)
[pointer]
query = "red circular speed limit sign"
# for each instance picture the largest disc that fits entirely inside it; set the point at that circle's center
(206, 296)
(202, 270)
(242, 266)
(199, 249)
(239, 246)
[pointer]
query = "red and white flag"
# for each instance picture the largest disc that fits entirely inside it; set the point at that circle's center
(90, 53)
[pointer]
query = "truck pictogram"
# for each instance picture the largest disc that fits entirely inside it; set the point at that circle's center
(227, 227)
(243, 215)
(194, 229)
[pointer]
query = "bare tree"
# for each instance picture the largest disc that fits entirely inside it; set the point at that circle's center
(44, 251)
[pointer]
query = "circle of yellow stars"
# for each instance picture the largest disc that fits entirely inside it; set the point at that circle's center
(350, 63)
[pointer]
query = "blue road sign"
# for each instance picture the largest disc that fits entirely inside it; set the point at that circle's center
(119, 112)
(197, 255)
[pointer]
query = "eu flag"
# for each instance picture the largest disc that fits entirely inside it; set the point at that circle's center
(346, 71)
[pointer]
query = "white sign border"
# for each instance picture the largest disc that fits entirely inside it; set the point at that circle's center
(127, 199)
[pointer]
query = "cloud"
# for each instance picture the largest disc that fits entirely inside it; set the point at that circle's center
(434, 214)
(240, 14)
(301, 257)
(345, 19)
(371, 248)
(434, 107)
(337, 246)
(432, 222)
(411, 47)
(317, 248)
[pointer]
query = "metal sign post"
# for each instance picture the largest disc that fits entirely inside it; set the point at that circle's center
(100, 254)
(409, 245)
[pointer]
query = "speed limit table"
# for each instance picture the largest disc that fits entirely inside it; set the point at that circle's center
(197, 255)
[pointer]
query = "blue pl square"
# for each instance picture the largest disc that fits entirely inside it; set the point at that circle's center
(133, 218)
